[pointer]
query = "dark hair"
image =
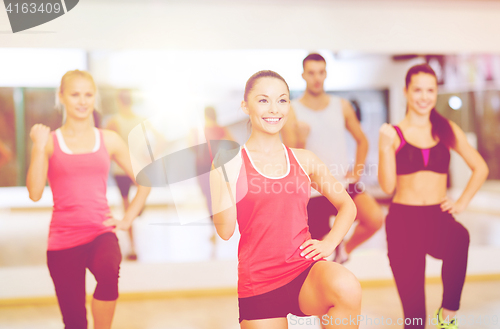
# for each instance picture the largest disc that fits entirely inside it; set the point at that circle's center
(313, 57)
(261, 74)
(441, 127)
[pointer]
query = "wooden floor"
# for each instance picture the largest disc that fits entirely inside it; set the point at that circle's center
(480, 307)
(23, 235)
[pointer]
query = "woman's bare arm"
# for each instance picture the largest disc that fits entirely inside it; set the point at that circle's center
(39, 164)
(387, 158)
(475, 162)
(120, 154)
(324, 182)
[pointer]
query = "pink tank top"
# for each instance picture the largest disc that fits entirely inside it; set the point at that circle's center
(78, 183)
(272, 219)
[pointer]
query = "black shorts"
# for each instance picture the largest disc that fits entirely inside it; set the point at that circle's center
(319, 210)
(277, 303)
(124, 182)
(354, 189)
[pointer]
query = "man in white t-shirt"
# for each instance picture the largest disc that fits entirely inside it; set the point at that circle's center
(317, 122)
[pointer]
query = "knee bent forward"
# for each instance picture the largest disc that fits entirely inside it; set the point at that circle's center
(345, 291)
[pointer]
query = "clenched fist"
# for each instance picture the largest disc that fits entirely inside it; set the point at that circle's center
(387, 136)
(39, 134)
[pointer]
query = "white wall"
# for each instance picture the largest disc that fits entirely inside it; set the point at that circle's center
(363, 25)
(352, 27)
(38, 67)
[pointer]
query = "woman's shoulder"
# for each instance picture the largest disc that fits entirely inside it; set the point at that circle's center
(460, 137)
(229, 162)
(307, 159)
(399, 127)
(302, 154)
(224, 156)
(456, 129)
(401, 124)
(112, 141)
(108, 134)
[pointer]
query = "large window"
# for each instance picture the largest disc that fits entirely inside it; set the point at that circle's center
(27, 96)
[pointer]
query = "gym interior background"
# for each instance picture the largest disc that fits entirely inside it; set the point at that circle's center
(178, 57)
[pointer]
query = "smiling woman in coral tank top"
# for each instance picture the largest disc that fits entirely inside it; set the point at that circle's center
(266, 188)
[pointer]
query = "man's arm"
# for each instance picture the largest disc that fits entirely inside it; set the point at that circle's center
(295, 133)
(289, 131)
(354, 127)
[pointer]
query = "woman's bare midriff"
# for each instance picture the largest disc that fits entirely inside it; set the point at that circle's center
(420, 188)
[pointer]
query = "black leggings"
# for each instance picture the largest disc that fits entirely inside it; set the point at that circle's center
(413, 232)
(67, 268)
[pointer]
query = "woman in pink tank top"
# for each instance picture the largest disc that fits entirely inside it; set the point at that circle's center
(266, 188)
(75, 159)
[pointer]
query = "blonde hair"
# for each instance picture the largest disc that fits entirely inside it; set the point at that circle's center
(69, 75)
(75, 73)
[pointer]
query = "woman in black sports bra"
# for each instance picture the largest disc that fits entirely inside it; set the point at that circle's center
(413, 162)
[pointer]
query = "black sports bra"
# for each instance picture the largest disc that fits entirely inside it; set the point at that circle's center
(410, 159)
